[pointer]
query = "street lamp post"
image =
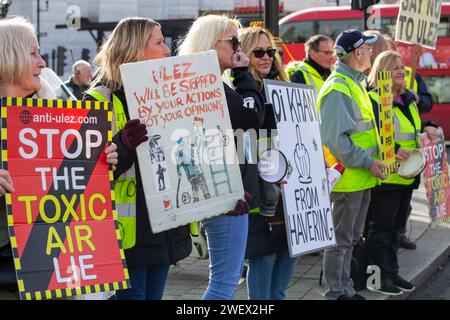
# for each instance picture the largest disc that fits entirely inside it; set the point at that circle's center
(271, 16)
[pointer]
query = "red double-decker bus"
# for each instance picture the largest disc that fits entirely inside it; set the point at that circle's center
(434, 65)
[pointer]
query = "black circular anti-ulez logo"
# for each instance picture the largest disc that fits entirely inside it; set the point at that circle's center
(26, 117)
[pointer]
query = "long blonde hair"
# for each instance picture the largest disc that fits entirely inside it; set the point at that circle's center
(205, 32)
(386, 61)
(16, 40)
(249, 39)
(126, 44)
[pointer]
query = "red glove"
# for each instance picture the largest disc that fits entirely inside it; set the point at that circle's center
(242, 206)
(133, 134)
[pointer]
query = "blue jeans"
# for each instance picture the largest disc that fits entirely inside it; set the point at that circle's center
(268, 276)
(227, 238)
(147, 283)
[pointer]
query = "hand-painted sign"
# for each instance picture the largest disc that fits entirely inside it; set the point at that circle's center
(436, 177)
(418, 22)
(306, 197)
(189, 166)
(386, 120)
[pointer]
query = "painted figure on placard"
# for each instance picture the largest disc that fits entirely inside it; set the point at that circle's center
(156, 150)
(186, 159)
(302, 161)
(160, 174)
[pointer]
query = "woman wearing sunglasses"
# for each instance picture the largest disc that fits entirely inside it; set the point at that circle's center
(270, 265)
(227, 233)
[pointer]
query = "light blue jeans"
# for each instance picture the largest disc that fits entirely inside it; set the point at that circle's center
(147, 283)
(227, 239)
(268, 276)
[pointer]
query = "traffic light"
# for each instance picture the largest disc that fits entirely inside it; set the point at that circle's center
(61, 57)
(363, 4)
(85, 54)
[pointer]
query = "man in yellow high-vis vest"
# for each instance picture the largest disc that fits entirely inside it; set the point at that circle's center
(316, 68)
(348, 129)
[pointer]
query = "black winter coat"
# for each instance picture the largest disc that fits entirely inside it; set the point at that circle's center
(167, 247)
(246, 109)
(267, 235)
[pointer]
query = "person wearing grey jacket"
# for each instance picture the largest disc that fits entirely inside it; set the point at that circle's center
(348, 129)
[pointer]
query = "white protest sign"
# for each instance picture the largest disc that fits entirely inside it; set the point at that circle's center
(306, 196)
(189, 167)
(418, 22)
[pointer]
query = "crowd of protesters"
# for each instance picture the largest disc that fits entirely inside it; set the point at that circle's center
(366, 201)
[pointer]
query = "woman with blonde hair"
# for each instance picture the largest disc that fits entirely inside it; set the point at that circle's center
(148, 255)
(227, 233)
(20, 76)
(270, 265)
(390, 202)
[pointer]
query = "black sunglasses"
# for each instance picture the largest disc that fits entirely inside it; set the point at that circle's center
(234, 42)
(259, 53)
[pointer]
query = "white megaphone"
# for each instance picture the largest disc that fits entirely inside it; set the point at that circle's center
(273, 166)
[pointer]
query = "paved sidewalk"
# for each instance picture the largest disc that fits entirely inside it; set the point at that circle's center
(190, 279)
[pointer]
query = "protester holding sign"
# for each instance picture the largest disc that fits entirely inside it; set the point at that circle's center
(390, 202)
(348, 129)
(227, 233)
(425, 103)
(148, 255)
(20, 68)
(270, 265)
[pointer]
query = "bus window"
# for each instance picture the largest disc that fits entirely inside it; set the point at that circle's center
(296, 31)
(388, 26)
(300, 31)
(438, 87)
(444, 27)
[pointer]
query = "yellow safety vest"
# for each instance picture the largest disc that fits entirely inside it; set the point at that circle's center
(365, 135)
(406, 135)
(408, 71)
(312, 77)
(125, 184)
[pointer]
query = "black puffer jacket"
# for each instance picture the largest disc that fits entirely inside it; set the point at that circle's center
(167, 247)
(246, 108)
(267, 235)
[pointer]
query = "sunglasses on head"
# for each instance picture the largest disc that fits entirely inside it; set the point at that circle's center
(259, 53)
(234, 42)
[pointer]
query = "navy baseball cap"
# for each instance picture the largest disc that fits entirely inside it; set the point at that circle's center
(352, 39)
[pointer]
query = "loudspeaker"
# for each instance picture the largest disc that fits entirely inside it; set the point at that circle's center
(273, 166)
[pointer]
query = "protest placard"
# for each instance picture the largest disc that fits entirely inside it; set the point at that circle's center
(384, 80)
(189, 166)
(418, 22)
(437, 184)
(306, 196)
(61, 218)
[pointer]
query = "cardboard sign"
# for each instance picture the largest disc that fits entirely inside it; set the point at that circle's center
(418, 22)
(436, 177)
(384, 79)
(306, 196)
(61, 217)
(189, 166)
